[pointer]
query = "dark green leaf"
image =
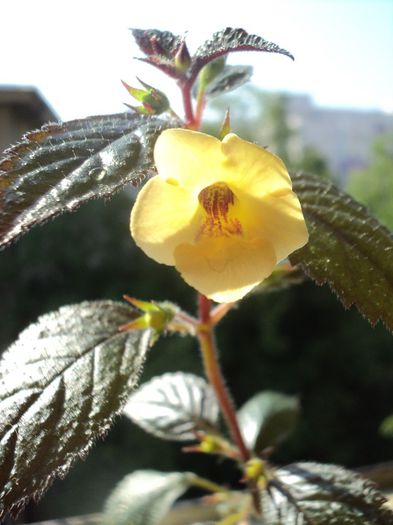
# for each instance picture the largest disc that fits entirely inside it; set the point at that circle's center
(267, 419)
(284, 276)
(316, 494)
(145, 497)
(59, 167)
(230, 40)
(229, 79)
(386, 427)
(174, 406)
(61, 383)
(348, 248)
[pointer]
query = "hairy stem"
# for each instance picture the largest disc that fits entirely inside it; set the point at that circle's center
(187, 104)
(208, 485)
(200, 106)
(215, 377)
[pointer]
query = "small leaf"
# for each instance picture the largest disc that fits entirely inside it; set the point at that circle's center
(59, 167)
(174, 406)
(283, 277)
(145, 497)
(317, 494)
(267, 419)
(210, 72)
(348, 248)
(155, 42)
(162, 49)
(62, 382)
(229, 79)
(230, 40)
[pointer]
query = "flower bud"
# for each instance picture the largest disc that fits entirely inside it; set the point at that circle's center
(182, 57)
(210, 71)
(156, 316)
(255, 470)
(153, 101)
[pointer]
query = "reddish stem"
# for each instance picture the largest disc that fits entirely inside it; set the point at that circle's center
(200, 106)
(214, 375)
(187, 103)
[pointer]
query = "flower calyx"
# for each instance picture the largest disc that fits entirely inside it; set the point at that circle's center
(255, 471)
(156, 316)
(154, 102)
(213, 444)
(182, 58)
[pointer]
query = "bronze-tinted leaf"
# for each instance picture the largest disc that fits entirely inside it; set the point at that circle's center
(160, 48)
(61, 384)
(155, 42)
(348, 248)
(228, 41)
(317, 494)
(59, 167)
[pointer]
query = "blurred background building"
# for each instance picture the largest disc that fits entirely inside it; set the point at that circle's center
(21, 109)
(342, 136)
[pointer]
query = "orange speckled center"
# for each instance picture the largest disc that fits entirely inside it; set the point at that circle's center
(218, 202)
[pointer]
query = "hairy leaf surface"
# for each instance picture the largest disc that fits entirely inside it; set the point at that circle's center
(144, 497)
(229, 79)
(160, 48)
(61, 383)
(230, 40)
(60, 166)
(174, 406)
(348, 249)
(155, 42)
(317, 494)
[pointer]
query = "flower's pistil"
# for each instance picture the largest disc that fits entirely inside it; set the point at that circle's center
(218, 200)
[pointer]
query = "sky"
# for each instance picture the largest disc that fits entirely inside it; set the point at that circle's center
(77, 51)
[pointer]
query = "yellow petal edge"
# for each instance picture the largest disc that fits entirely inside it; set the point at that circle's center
(222, 212)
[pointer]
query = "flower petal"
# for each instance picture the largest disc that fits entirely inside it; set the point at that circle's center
(227, 268)
(277, 218)
(164, 215)
(191, 158)
(252, 168)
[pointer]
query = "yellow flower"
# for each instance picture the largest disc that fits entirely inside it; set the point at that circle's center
(223, 213)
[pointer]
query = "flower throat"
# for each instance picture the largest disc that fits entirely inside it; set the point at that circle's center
(218, 200)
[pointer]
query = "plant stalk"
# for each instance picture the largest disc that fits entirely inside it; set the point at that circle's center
(215, 377)
(200, 106)
(185, 88)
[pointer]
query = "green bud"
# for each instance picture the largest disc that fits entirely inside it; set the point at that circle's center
(156, 316)
(210, 71)
(182, 57)
(255, 469)
(153, 101)
(226, 125)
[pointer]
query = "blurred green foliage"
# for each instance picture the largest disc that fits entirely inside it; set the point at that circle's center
(374, 186)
